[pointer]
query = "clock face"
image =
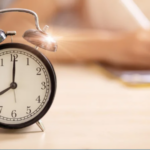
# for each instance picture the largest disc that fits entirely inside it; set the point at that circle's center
(33, 93)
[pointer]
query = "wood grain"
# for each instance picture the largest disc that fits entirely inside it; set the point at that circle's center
(90, 111)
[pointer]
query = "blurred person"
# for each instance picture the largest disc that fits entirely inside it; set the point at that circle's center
(85, 30)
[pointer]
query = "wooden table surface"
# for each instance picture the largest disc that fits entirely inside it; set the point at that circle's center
(90, 111)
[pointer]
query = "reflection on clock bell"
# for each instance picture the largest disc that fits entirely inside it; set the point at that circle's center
(40, 39)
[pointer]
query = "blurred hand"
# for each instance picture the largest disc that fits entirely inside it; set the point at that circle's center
(133, 51)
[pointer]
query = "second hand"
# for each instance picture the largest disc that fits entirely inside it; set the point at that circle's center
(14, 95)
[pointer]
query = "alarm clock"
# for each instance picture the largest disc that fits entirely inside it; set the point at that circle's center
(27, 77)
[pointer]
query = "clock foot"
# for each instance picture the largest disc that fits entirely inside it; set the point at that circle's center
(40, 125)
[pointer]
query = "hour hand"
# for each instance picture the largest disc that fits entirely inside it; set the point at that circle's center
(4, 91)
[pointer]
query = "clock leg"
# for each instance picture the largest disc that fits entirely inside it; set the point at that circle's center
(40, 125)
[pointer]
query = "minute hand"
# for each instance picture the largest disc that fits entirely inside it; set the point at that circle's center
(14, 70)
(4, 91)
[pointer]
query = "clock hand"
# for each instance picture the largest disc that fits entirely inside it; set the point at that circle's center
(12, 86)
(4, 91)
(14, 70)
(15, 96)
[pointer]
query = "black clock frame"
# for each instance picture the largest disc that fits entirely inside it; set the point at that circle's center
(53, 79)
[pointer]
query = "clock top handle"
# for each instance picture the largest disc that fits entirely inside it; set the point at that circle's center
(25, 11)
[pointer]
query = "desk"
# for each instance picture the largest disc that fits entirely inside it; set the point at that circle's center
(90, 111)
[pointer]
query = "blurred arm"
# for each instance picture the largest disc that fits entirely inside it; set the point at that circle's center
(122, 49)
(83, 45)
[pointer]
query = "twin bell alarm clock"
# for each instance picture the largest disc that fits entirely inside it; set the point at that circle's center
(27, 78)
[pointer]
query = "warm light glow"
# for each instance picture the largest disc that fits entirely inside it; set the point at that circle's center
(50, 39)
(58, 38)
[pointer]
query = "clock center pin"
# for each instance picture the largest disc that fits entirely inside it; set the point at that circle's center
(13, 85)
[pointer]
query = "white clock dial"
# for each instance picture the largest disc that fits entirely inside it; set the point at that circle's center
(33, 90)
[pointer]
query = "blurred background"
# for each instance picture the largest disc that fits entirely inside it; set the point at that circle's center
(109, 32)
(102, 66)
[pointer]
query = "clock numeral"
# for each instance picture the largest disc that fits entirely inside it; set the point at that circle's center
(38, 99)
(27, 61)
(38, 70)
(14, 114)
(43, 85)
(2, 62)
(28, 110)
(12, 57)
(1, 107)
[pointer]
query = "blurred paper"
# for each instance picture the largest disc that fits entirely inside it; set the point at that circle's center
(130, 76)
